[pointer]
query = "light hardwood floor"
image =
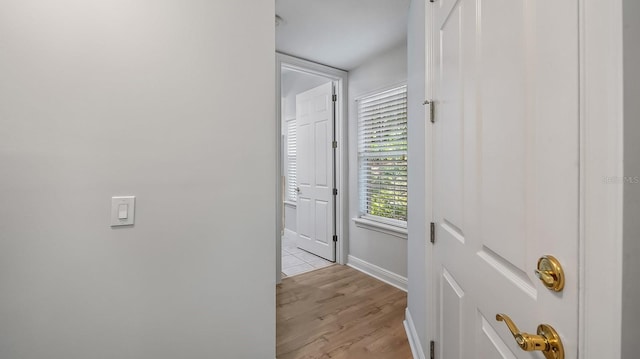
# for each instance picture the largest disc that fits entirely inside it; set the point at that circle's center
(339, 312)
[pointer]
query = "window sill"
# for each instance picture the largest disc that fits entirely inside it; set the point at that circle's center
(290, 204)
(381, 227)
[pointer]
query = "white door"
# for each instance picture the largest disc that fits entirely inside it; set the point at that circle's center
(505, 172)
(315, 207)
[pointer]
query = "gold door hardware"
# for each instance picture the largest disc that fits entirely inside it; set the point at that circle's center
(550, 273)
(547, 341)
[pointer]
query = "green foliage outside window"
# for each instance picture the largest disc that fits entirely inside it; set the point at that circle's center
(387, 196)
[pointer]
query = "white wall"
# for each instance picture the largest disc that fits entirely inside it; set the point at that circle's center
(290, 217)
(380, 249)
(145, 98)
(631, 253)
(418, 222)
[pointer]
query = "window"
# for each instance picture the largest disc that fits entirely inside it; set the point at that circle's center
(382, 156)
(292, 194)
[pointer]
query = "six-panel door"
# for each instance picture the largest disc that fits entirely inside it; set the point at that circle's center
(505, 171)
(314, 118)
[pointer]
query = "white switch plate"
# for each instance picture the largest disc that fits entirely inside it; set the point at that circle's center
(116, 202)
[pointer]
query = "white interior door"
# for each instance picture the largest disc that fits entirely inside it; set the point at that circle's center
(505, 172)
(315, 208)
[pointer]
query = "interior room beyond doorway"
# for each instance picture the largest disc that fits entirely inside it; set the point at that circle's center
(296, 260)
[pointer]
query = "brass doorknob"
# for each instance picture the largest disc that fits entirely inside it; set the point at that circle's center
(547, 341)
(550, 273)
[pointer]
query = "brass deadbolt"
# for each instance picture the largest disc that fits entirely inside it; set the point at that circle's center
(550, 273)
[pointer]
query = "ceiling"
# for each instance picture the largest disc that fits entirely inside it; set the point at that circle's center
(340, 33)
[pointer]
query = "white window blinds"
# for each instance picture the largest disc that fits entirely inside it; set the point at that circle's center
(382, 154)
(291, 161)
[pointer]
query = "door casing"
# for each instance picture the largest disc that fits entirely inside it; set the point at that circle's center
(340, 78)
(601, 156)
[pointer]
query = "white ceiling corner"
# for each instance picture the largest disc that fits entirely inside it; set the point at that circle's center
(340, 33)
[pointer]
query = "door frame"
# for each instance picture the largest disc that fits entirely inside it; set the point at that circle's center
(601, 156)
(339, 77)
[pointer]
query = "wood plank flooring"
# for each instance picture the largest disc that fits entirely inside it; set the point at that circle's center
(339, 312)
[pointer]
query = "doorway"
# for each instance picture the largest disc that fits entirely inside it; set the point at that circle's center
(310, 111)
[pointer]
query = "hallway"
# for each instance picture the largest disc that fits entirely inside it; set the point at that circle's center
(339, 312)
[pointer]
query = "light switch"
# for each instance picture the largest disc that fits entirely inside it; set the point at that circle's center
(122, 211)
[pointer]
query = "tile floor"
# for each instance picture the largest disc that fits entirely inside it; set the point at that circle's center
(297, 261)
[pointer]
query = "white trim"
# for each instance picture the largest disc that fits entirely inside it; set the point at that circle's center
(341, 78)
(382, 274)
(412, 336)
(290, 204)
(430, 275)
(384, 220)
(380, 227)
(280, 184)
(601, 155)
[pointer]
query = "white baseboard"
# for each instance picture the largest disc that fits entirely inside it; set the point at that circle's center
(412, 335)
(289, 234)
(382, 274)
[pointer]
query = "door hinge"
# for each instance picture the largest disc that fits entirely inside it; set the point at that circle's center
(335, 237)
(335, 191)
(432, 117)
(335, 144)
(432, 350)
(433, 232)
(334, 98)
